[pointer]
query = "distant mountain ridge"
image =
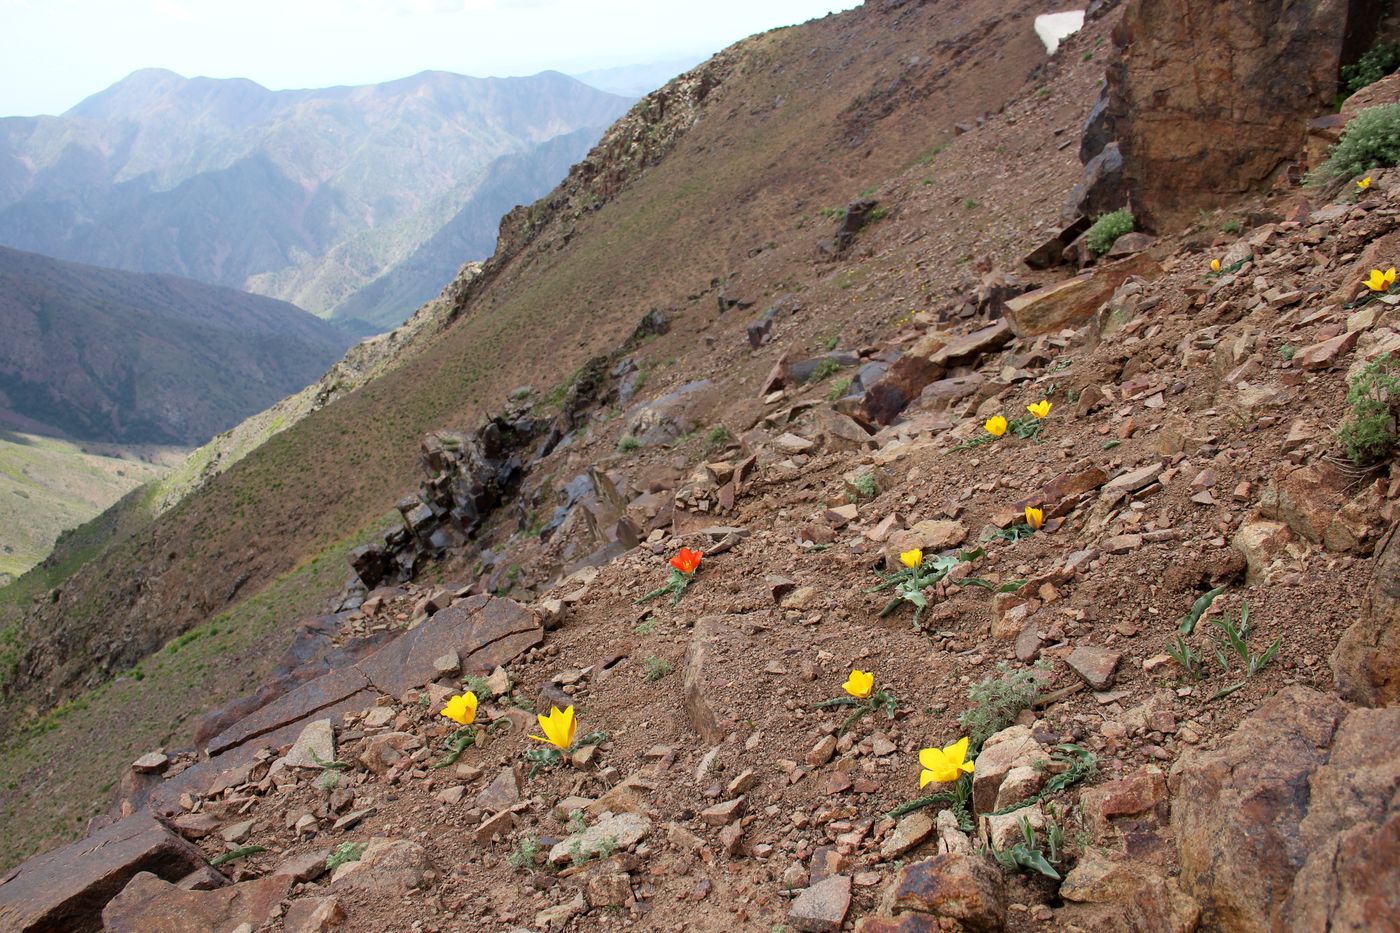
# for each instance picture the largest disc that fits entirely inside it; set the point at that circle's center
(121, 357)
(304, 195)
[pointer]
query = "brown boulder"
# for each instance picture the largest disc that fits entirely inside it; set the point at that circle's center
(1315, 502)
(1294, 822)
(709, 638)
(1126, 895)
(150, 905)
(66, 888)
(1366, 661)
(1211, 98)
(1073, 302)
(965, 888)
(387, 867)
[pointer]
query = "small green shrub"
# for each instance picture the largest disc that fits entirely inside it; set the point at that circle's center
(969, 203)
(718, 437)
(1371, 140)
(524, 855)
(629, 443)
(1382, 59)
(998, 700)
(1108, 228)
(1232, 227)
(654, 668)
(1374, 396)
(825, 370)
(866, 485)
(1287, 352)
(839, 388)
(345, 852)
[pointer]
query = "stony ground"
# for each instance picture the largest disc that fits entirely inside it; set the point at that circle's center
(1183, 451)
(1189, 458)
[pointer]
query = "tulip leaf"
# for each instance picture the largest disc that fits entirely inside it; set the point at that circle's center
(1198, 609)
(239, 853)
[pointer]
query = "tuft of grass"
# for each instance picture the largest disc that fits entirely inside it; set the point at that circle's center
(646, 628)
(1287, 352)
(1108, 228)
(825, 370)
(654, 668)
(629, 443)
(998, 700)
(1370, 140)
(1235, 642)
(839, 388)
(1369, 436)
(1232, 226)
(716, 440)
(969, 204)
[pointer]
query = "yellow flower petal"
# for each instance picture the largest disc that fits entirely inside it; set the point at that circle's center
(461, 709)
(1040, 409)
(912, 559)
(1215, 265)
(957, 752)
(1364, 183)
(859, 684)
(1035, 517)
(558, 727)
(995, 425)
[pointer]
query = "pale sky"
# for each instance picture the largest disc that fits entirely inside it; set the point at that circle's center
(53, 53)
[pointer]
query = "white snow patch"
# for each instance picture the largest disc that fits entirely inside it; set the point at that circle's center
(1052, 27)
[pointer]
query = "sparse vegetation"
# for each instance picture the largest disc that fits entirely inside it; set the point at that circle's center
(866, 485)
(1108, 228)
(1287, 352)
(998, 700)
(241, 852)
(838, 390)
(1232, 226)
(646, 628)
(1370, 140)
(825, 370)
(1380, 60)
(717, 439)
(654, 668)
(969, 204)
(524, 855)
(1369, 436)
(629, 443)
(345, 852)
(1025, 855)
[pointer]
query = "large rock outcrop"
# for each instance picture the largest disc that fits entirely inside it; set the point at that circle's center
(1366, 661)
(1211, 99)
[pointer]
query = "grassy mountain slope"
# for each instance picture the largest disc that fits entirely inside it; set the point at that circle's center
(718, 180)
(49, 485)
(104, 355)
(302, 195)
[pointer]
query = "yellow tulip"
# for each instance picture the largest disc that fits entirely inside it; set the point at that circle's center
(1215, 265)
(1040, 409)
(1035, 517)
(1364, 183)
(461, 709)
(912, 559)
(995, 425)
(859, 684)
(559, 728)
(944, 765)
(1379, 281)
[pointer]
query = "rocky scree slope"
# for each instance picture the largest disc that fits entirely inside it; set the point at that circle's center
(1182, 453)
(571, 277)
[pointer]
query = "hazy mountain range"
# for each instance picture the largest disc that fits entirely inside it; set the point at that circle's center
(303, 195)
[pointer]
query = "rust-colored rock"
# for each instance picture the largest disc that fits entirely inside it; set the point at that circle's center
(1366, 661)
(1294, 823)
(699, 705)
(1127, 895)
(150, 905)
(66, 888)
(1211, 98)
(966, 888)
(1074, 301)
